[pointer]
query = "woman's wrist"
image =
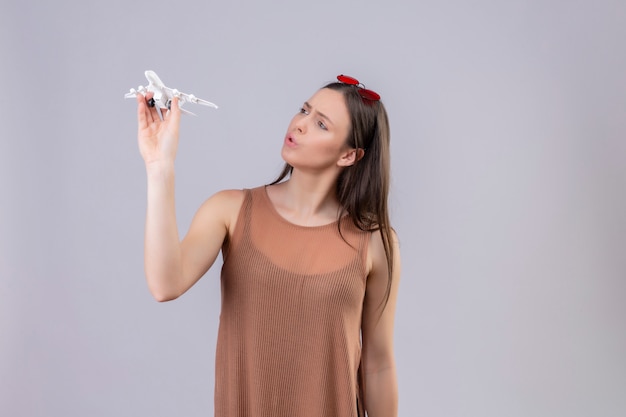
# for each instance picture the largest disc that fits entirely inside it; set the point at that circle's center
(160, 170)
(160, 167)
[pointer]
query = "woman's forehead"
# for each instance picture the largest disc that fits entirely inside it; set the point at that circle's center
(332, 104)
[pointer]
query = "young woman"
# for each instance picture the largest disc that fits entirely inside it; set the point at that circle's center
(311, 264)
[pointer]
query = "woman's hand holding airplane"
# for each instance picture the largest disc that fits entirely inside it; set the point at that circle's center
(158, 138)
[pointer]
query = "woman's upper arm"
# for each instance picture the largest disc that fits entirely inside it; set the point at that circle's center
(209, 227)
(378, 316)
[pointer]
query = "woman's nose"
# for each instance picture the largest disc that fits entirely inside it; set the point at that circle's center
(301, 125)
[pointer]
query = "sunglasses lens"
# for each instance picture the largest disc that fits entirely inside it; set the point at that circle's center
(369, 94)
(366, 94)
(347, 80)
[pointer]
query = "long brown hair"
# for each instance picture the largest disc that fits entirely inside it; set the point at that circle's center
(362, 189)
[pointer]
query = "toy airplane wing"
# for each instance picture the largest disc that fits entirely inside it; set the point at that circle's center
(133, 93)
(188, 98)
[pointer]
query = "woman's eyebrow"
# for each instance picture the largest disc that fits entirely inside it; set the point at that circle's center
(306, 104)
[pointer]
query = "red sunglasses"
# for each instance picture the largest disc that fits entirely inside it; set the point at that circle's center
(363, 92)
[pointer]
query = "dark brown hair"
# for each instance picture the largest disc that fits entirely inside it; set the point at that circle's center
(363, 188)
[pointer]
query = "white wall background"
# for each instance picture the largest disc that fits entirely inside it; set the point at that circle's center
(509, 163)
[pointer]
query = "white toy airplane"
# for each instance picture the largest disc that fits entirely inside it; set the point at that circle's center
(163, 95)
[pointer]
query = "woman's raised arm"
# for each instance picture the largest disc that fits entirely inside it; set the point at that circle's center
(172, 266)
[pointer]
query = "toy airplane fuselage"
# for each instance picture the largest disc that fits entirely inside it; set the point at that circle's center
(163, 96)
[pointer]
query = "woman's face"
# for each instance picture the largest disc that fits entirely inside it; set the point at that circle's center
(316, 137)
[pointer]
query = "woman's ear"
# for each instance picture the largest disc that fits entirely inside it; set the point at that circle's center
(351, 157)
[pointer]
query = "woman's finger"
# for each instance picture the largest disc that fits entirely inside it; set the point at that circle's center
(152, 110)
(142, 114)
(174, 111)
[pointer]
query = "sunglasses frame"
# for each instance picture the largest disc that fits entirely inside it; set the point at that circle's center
(363, 92)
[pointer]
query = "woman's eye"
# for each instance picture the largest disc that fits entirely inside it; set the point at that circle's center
(303, 110)
(322, 125)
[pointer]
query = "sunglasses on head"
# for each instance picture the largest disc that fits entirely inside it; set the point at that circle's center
(363, 92)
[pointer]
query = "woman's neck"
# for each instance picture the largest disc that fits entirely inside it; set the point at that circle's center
(306, 199)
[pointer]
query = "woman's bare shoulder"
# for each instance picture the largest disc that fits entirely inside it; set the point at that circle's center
(225, 201)
(376, 254)
(229, 196)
